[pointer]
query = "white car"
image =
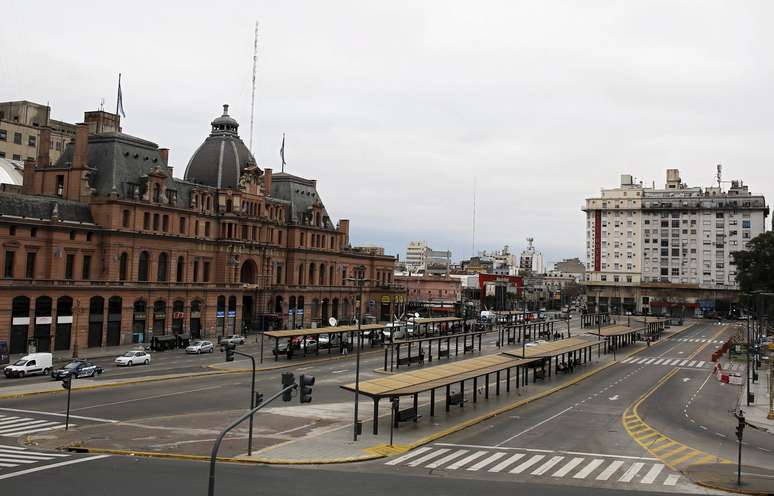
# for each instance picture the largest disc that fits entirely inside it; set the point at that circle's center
(199, 346)
(133, 358)
(536, 343)
(35, 363)
(234, 339)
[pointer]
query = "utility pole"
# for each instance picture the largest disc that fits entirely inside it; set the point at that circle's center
(359, 280)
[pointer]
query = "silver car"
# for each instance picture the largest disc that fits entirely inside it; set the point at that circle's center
(200, 346)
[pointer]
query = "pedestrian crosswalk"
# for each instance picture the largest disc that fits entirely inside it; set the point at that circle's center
(668, 362)
(19, 425)
(574, 466)
(698, 340)
(14, 456)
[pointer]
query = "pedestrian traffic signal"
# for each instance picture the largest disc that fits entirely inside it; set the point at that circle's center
(740, 426)
(288, 379)
(258, 398)
(305, 383)
(67, 382)
(229, 349)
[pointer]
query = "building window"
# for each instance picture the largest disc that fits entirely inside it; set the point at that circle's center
(86, 268)
(125, 219)
(206, 229)
(17, 138)
(161, 272)
(9, 263)
(180, 269)
(72, 235)
(3, 135)
(165, 223)
(278, 279)
(30, 272)
(60, 185)
(16, 156)
(33, 232)
(155, 222)
(196, 271)
(69, 264)
(206, 272)
(182, 225)
(31, 141)
(89, 235)
(146, 220)
(123, 262)
(156, 193)
(746, 224)
(142, 269)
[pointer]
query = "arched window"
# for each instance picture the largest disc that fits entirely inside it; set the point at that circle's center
(163, 268)
(156, 192)
(123, 265)
(300, 273)
(142, 269)
(311, 273)
(330, 276)
(180, 272)
(229, 205)
(322, 274)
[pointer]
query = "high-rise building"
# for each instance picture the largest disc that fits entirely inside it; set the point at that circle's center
(651, 248)
(20, 124)
(531, 261)
(421, 258)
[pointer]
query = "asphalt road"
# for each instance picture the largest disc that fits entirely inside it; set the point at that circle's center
(575, 436)
(125, 476)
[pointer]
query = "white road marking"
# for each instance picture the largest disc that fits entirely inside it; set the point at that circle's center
(672, 479)
(652, 474)
(568, 467)
(53, 465)
(547, 465)
(585, 471)
(427, 457)
(466, 460)
(527, 464)
(631, 473)
(407, 456)
(447, 458)
(486, 461)
(658, 361)
(95, 419)
(610, 470)
(511, 459)
(613, 398)
(534, 426)
(700, 364)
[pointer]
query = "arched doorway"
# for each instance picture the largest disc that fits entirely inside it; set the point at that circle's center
(300, 312)
(249, 272)
(178, 312)
(220, 315)
(232, 313)
(159, 317)
(196, 319)
(96, 320)
(42, 334)
(335, 310)
(138, 321)
(325, 310)
(20, 324)
(64, 323)
(315, 311)
(115, 311)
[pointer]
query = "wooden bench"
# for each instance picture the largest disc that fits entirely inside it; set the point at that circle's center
(408, 414)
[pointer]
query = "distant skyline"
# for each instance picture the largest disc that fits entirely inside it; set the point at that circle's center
(398, 108)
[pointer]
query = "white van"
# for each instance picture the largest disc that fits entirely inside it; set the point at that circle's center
(34, 363)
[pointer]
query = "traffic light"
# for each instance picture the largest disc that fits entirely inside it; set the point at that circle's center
(740, 426)
(67, 381)
(229, 349)
(305, 383)
(258, 398)
(288, 379)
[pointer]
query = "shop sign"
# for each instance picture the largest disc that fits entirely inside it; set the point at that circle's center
(43, 320)
(232, 313)
(177, 315)
(220, 313)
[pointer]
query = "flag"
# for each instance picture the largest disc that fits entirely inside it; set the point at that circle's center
(282, 152)
(120, 99)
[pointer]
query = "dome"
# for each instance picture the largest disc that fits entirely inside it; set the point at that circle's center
(220, 160)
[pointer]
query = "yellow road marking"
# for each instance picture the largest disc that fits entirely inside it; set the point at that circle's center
(663, 446)
(692, 454)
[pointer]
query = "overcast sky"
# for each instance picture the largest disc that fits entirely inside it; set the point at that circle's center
(399, 108)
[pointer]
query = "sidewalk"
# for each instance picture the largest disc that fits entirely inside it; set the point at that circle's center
(756, 415)
(723, 476)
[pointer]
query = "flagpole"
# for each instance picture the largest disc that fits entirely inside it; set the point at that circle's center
(118, 94)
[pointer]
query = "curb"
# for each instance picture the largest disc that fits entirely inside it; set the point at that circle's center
(229, 459)
(117, 384)
(736, 490)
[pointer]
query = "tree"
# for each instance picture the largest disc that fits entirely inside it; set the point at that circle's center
(755, 266)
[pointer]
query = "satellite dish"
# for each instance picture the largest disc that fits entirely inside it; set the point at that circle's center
(416, 315)
(332, 321)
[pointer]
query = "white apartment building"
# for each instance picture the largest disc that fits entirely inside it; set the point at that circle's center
(421, 258)
(416, 253)
(649, 248)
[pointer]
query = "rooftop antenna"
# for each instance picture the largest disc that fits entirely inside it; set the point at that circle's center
(719, 174)
(252, 102)
(101, 104)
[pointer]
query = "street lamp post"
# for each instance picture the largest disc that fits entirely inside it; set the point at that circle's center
(360, 281)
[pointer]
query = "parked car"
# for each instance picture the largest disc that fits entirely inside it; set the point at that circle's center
(398, 328)
(76, 369)
(34, 363)
(307, 343)
(234, 339)
(133, 358)
(199, 346)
